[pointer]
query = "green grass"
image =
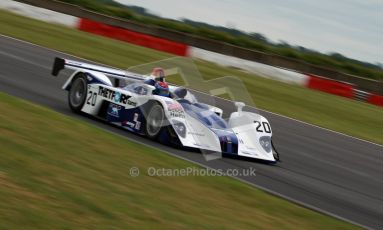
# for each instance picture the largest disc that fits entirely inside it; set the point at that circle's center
(60, 173)
(348, 116)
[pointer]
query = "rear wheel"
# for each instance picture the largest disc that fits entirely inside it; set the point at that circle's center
(77, 93)
(155, 121)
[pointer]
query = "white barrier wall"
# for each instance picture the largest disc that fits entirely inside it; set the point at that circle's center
(262, 70)
(39, 13)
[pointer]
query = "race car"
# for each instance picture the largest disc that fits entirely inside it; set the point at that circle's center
(170, 114)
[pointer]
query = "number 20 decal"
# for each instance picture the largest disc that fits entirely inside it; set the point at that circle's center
(91, 98)
(264, 125)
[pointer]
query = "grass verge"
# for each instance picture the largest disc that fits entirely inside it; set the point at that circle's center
(347, 116)
(59, 173)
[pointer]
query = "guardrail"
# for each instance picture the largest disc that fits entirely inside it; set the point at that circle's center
(211, 45)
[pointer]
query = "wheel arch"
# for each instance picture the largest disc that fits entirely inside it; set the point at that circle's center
(91, 76)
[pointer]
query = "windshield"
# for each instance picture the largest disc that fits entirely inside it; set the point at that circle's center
(137, 88)
(190, 97)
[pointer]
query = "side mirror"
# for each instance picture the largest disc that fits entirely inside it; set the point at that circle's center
(239, 106)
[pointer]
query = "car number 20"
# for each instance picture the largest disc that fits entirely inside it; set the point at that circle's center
(262, 127)
(92, 96)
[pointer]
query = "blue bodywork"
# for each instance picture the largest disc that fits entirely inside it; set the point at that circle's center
(134, 120)
(131, 119)
(201, 112)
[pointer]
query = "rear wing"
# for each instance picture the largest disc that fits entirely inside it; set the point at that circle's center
(60, 64)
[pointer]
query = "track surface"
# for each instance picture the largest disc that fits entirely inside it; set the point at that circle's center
(322, 169)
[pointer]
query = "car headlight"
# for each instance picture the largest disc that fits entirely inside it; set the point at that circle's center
(180, 129)
(265, 142)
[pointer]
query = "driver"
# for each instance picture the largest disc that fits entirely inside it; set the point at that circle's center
(157, 79)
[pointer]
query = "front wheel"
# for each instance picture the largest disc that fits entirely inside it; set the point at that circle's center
(77, 93)
(276, 154)
(155, 121)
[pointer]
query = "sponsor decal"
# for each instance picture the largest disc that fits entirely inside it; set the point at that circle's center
(196, 134)
(114, 110)
(135, 124)
(135, 119)
(180, 129)
(173, 105)
(132, 103)
(115, 96)
(177, 114)
(131, 124)
(175, 109)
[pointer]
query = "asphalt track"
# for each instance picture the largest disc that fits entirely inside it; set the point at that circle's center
(321, 169)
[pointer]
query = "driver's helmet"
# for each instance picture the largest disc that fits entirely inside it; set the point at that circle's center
(158, 74)
(162, 89)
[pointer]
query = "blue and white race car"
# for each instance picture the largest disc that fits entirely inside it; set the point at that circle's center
(147, 105)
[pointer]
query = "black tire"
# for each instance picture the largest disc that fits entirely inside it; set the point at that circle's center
(77, 93)
(155, 121)
(276, 154)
